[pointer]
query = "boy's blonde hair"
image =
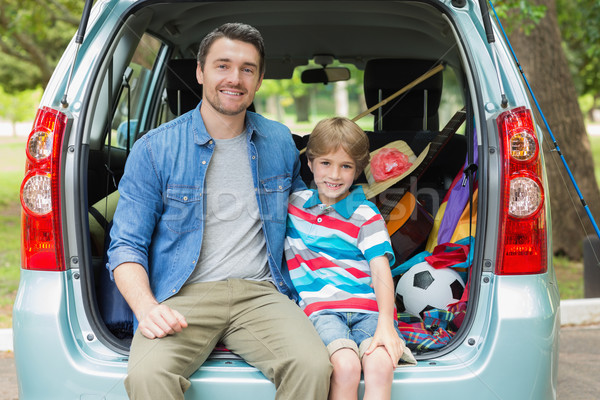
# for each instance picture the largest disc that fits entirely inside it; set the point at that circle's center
(331, 134)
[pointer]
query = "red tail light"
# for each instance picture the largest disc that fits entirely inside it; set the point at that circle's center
(522, 240)
(41, 247)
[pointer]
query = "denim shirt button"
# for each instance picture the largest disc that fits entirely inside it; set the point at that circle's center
(203, 161)
(254, 157)
(280, 283)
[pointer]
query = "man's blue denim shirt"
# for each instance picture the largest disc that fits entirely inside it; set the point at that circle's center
(159, 221)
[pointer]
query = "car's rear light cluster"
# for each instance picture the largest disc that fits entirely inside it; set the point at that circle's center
(41, 247)
(522, 247)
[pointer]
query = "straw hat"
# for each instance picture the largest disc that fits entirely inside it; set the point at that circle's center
(373, 188)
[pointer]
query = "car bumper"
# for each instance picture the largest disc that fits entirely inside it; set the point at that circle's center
(512, 353)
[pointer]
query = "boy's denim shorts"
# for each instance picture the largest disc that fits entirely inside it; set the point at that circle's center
(351, 330)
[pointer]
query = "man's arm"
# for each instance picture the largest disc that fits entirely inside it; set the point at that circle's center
(155, 320)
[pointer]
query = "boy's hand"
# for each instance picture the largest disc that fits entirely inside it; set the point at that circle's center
(387, 337)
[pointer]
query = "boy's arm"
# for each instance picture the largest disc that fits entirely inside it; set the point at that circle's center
(385, 334)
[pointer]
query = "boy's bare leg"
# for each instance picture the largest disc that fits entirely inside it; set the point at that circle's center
(378, 372)
(346, 375)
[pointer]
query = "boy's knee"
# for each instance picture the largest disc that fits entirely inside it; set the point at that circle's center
(380, 368)
(346, 367)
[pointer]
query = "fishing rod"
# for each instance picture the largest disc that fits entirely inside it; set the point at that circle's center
(490, 37)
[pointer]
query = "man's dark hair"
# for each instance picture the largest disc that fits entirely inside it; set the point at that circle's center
(233, 31)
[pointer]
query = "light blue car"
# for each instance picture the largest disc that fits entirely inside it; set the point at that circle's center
(136, 67)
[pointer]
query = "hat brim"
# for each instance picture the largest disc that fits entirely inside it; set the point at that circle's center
(373, 188)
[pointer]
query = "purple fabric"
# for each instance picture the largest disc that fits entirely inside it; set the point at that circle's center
(457, 201)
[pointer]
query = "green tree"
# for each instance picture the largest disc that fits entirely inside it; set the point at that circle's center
(33, 36)
(19, 107)
(579, 22)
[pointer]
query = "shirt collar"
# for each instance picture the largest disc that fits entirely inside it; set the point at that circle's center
(201, 135)
(344, 207)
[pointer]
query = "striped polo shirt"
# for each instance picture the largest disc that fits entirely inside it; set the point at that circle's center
(328, 250)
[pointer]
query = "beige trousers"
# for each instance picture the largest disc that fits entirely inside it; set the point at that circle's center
(253, 320)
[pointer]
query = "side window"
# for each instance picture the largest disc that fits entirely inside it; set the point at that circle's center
(134, 90)
(453, 98)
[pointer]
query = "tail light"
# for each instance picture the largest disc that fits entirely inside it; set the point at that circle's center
(522, 240)
(41, 247)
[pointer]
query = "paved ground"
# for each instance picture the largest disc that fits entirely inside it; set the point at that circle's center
(578, 371)
(8, 378)
(579, 363)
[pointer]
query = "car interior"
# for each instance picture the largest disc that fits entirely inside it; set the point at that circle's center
(391, 45)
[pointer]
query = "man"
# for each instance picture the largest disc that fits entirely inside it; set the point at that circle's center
(197, 240)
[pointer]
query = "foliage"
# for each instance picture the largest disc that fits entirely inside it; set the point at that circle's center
(33, 36)
(521, 14)
(579, 21)
(19, 107)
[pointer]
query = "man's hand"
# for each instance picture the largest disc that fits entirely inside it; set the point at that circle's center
(159, 320)
(155, 320)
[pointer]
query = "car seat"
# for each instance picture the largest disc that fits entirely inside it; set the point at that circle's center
(415, 110)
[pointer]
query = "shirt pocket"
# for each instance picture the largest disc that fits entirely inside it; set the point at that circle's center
(183, 208)
(275, 193)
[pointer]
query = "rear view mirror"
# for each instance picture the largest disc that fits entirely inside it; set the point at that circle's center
(325, 75)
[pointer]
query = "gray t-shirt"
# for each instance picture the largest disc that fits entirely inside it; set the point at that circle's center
(233, 245)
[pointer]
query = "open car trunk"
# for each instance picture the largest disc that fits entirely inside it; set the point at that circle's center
(386, 46)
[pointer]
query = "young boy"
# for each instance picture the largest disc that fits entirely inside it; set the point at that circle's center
(338, 254)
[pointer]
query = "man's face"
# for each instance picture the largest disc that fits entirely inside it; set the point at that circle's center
(231, 76)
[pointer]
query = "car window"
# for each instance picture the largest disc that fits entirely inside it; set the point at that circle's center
(300, 106)
(453, 98)
(132, 102)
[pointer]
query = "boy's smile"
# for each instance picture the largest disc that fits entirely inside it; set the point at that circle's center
(334, 174)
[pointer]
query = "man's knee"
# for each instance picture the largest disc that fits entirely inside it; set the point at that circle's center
(315, 363)
(155, 381)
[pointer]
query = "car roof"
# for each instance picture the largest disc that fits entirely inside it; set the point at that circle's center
(296, 31)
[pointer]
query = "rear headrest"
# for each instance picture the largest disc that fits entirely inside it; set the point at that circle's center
(182, 86)
(406, 111)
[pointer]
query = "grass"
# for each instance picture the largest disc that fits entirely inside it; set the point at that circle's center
(12, 164)
(569, 275)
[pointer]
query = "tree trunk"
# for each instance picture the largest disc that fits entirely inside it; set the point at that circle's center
(342, 105)
(302, 104)
(545, 65)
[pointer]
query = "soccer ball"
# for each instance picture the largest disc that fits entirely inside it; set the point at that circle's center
(423, 288)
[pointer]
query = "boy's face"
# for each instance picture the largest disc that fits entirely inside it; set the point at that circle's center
(334, 173)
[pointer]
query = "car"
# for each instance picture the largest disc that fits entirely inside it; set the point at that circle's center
(423, 72)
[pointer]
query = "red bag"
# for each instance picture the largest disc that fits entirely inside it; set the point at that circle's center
(389, 163)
